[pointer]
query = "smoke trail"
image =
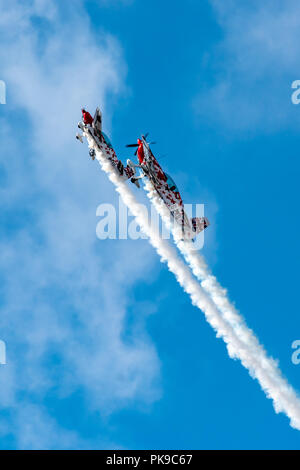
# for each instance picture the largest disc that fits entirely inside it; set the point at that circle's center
(219, 296)
(266, 370)
(209, 282)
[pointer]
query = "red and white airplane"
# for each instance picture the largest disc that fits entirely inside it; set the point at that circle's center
(162, 183)
(93, 127)
(166, 189)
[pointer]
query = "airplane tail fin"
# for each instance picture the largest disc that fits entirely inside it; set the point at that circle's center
(199, 224)
(97, 124)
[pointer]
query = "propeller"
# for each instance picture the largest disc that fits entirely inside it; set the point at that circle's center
(136, 145)
(145, 137)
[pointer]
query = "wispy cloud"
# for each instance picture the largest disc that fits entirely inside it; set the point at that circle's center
(61, 317)
(253, 66)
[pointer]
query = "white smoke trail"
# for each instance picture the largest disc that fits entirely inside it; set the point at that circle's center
(265, 371)
(209, 282)
(210, 285)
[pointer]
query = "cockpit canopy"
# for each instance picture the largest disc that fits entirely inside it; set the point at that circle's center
(107, 141)
(171, 184)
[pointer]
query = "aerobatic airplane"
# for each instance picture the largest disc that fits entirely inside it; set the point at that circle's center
(166, 189)
(93, 127)
(162, 183)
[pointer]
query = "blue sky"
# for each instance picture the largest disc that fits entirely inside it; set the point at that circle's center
(104, 350)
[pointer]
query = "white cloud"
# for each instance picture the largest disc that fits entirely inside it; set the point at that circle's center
(253, 66)
(65, 296)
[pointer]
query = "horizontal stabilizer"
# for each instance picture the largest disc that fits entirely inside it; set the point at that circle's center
(199, 224)
(97, 123)
(79, 137)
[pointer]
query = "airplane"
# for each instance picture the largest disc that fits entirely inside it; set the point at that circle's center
(162, 183)
(166, 189)
(94, 130)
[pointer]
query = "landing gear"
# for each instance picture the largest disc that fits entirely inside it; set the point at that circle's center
(92, 154)
(136, 182)
(120, 167)
(132, 165)
(134, 179)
